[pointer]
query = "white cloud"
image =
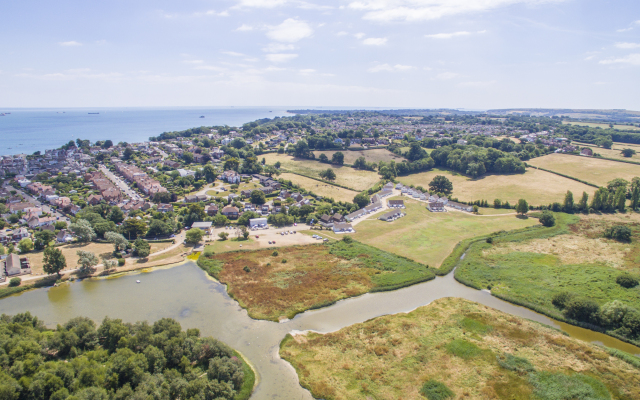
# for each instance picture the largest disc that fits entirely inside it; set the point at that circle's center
(444, 76)
(391, 68)
(213, 13)
(423, 10)
(193, 61)
(278, 47)
(245, 28)
(342, 33)
(374, 41)
(71, 43)
(452, 34)
(290, 30)
(359, 35)
(477, 84)
(261, 3)
(233, 53)
(631, 59)
(626, 45)
(280, 57)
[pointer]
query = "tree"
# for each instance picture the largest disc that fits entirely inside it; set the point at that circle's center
(440, 184)
(522, 207)
(547, 218)
(60, 225)
(361, 200)
(621, 199)
(476, 209)
(133, 227)
(42, 239)
(187, 156)
(109, 264)
(620, 233)
(328, 174)
(119, 242)
(270, 171)
(116, 215)
(87, 261)
(568, 202)
(628, 152)
(25, 245)
(54, 261)
(194, 213)
(83, 230)
(323, 158)
(128, 152)
(246, 216)
(231, 164)
(161, 197)
(223, 235)
(209, 173)
(107, 144)
(337, 158)
(416, 152)
(635, 197)
(497, 203)
(159, 228)
(194, 235)
(142, 248)
(220, 220)
(584, 202)
(258, 197)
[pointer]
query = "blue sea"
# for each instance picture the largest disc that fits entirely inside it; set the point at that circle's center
(29, 130)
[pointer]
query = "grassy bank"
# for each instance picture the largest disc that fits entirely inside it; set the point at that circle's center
(274, 283)
(249, 381)
(532, 266)
(465, 350)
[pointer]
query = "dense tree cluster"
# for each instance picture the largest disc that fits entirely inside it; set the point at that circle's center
(476, 161)
(116, 361)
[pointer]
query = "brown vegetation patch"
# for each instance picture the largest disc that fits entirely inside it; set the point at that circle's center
(270, 288)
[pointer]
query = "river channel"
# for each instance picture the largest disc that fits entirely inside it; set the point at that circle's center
(185, 293)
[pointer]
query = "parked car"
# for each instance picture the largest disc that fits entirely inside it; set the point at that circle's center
(257, 237)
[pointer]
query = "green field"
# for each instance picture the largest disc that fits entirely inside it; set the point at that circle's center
(429, 237)
(589, 169)
(615, 151)
(535, 186)
(530, 268)
(467, 350)
(320, 188)
(603, 125)
(345, 176)
(374, 155)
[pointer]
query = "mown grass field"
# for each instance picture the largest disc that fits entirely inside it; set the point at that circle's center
(217, 192)
(275, 283)
(474, 351)
(535, 186)
(602, 125)
(321, 188)
(588, 169)
(374, 155)
(345, 176)
(530, 268)
(429, 237)
(616, 151)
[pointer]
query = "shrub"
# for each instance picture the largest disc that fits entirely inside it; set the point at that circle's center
(15, 281)
(121, 261)
(434, 390)
(246, 268)
(547, 218)
(612, 314)
(514, 363)
(275, 253)
(561, 299)
(347, 239)
(627, 280)
(490, 239)
(284, 261)
(580, 309)
(620, 233)
(550, 385)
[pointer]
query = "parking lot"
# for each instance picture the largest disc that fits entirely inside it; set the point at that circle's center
(277, 236)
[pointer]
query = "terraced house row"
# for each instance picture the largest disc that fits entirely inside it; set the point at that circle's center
(146, 184)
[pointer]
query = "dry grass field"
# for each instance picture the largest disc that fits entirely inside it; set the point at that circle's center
(225, 190)
(588, 169)
(474, 351)
(616, 151)
(535, 186)
(345, 176)
(603, 125)
(375, 155)
(320, 188)
(428, 237)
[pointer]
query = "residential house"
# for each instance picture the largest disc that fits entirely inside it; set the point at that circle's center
(211, 210)
(462, 207)
(64, 236)
(15, 265)
(396, 204)
(230, 176)
(436, 206)
(392, 215)
(355, 215)
(587, 152)
(230, 212)
(343, 227)
(18, 207)
(94, 199)
(373, 207)
(164, 208)
(337, 217)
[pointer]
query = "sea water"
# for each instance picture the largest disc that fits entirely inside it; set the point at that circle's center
(29, 130)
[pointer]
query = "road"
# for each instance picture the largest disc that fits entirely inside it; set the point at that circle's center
(121, 184)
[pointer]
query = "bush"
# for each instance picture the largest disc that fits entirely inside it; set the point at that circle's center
(584, 310)
(463, 349)
(275, 253)
(547, 218)
(284, 261)
(15, 282)
(620, 233)
(490, 239)
(347, 239)
(434, 390)
(121, 261)
(561, 299)
(514, 363)
(246, 268)
(551, 385)
(627, 281)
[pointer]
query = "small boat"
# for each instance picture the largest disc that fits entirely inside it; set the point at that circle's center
(202, 116)
(137, 281)
(94, 113)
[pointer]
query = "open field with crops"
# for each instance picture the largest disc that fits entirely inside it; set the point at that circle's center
(603, 125)
(429, 237)
(456, 349)
(375, 155)
(320, 188)
(588, 169)
(275, 283)
(573, 257)
(345, 176)
(535, 186)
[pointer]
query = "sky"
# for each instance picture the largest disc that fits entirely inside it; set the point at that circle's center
(470, 54)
